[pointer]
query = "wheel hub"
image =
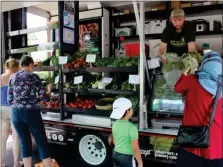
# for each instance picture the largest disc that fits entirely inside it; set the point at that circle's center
(92, 149)
(98, 145)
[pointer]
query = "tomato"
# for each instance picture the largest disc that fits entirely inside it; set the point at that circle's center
(72, 105)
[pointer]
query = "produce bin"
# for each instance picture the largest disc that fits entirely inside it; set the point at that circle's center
(133, 49)
(119, 32)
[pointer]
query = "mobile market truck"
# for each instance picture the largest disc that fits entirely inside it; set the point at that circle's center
(90, 64)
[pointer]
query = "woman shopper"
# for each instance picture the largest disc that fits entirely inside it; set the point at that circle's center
(199, 91)
(11, 67)
(22, 96)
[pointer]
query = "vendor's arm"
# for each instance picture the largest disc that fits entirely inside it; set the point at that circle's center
(182, 84)
(191, 36)
(165, 38)
(162, 48)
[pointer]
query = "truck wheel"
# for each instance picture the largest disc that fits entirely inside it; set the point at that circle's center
(92, 150)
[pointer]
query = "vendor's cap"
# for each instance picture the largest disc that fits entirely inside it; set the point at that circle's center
(177, 13)
(120, 106)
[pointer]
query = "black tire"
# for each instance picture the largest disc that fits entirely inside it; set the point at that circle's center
(107, 162)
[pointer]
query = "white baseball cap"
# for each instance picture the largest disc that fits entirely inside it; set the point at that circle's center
(120, 106)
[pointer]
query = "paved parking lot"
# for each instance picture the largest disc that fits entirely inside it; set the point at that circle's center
(63, 155)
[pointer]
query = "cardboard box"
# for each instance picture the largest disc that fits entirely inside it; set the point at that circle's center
(175, 4)
(157, 7)
(147, 29)
(127, 11)
(157, 26)
(123, 32)
(185, 5)
(210, 2)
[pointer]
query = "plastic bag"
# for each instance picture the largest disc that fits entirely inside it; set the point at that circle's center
(172, 77)
(172, 69)
(190, 63)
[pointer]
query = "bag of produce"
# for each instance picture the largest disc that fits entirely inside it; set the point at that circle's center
(172, 69)
(159, 87)
(190, 63)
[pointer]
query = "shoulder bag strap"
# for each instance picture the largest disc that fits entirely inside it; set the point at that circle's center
(214, 108)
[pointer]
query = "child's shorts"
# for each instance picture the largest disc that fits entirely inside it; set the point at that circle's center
(123, 160)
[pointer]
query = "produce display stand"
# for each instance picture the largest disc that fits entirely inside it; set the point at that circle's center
(68, 48)
(81, 126)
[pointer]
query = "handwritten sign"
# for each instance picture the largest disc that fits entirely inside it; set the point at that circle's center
(107, 80)
(57, 79)
(78, 80)
(134, 79)
(63, 60)
(91, 58)
(153, 63)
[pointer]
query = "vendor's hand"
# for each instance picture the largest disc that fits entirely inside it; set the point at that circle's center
(186, 71)
(163, 59)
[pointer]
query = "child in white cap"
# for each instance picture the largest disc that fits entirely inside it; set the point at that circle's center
(125, 135)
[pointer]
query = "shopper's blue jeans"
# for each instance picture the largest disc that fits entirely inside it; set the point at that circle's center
(123, 160)
(28, 121)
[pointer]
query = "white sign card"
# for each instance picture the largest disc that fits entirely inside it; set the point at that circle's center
(63, 60)
(153, 63)
(134, 79)
(68, 36)
(107, 80)
(78, 79)
(91, 58)
(68, 19)
(45, 47)
(57, 79)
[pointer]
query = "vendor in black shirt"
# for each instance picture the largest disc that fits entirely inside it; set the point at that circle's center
(178, 36)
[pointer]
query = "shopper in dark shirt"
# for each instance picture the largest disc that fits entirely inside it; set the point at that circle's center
(26, 118)
(178, 36)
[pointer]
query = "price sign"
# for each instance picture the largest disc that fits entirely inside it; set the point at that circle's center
(153, 63)
(107, 80)
(41, 48)
(78, 80)
(134, 79)
(63, 60)
(57, 79)
(45, 47)
(91, 58)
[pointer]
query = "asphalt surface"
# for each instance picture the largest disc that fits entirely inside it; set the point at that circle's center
(64, 156)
